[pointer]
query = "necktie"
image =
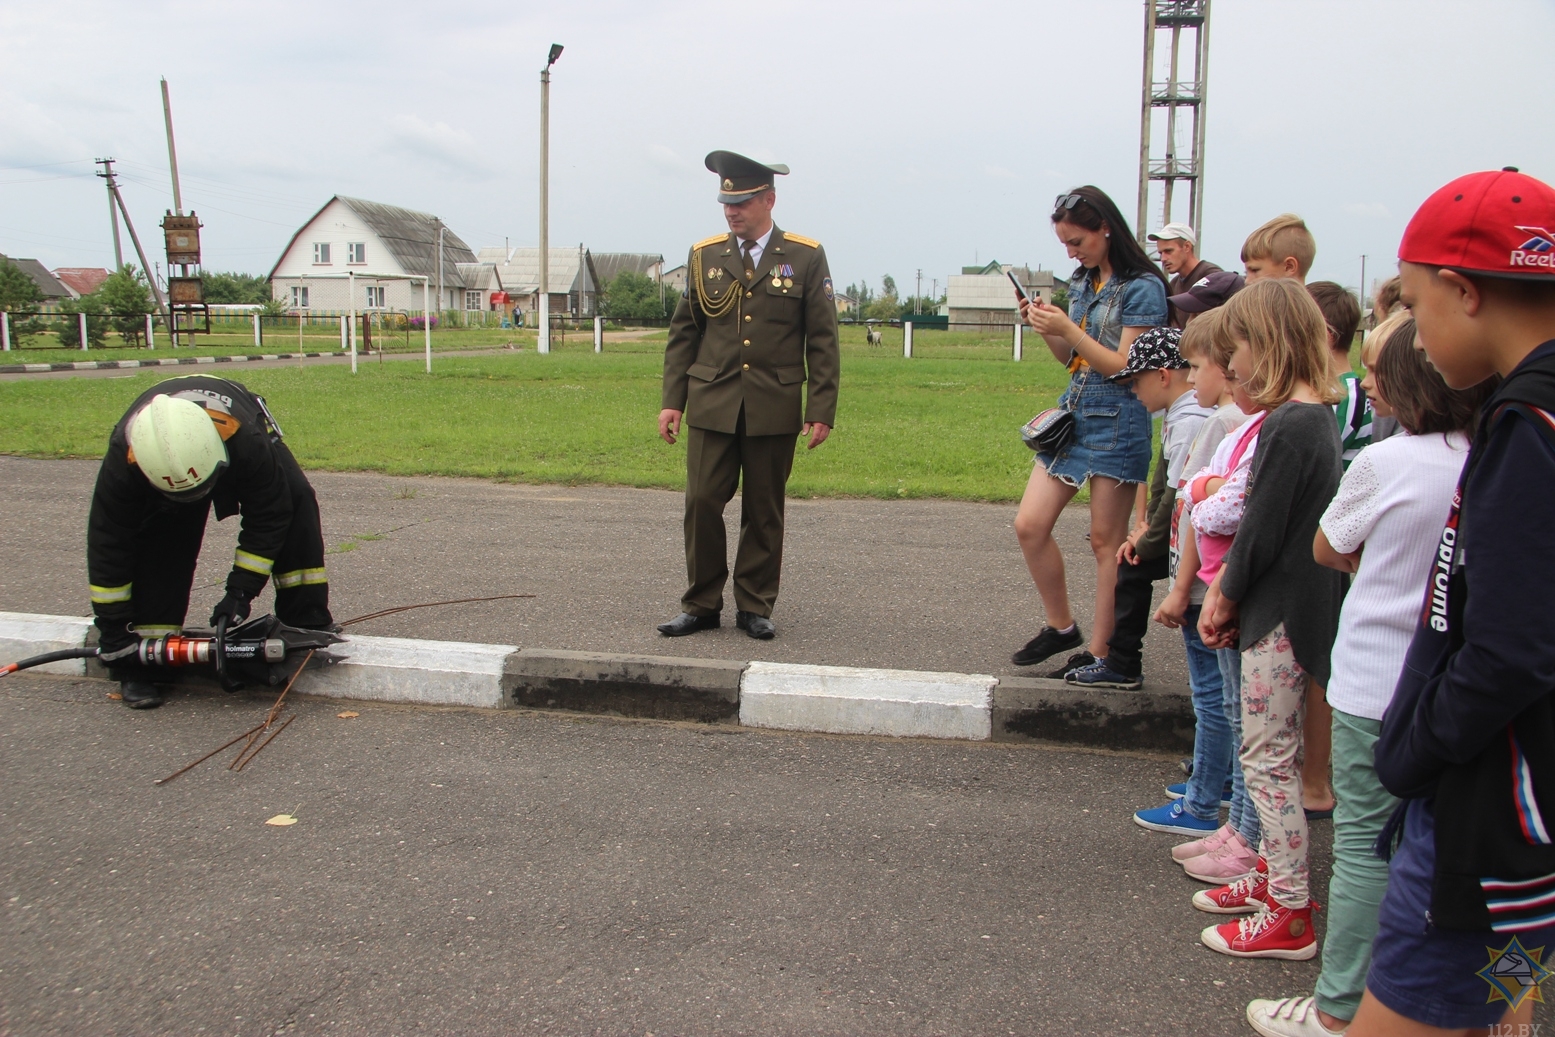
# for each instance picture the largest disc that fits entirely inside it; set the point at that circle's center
(750, 260)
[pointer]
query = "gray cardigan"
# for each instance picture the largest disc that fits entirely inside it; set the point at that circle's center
(1270, 570)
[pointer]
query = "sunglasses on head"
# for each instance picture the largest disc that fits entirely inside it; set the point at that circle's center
(1068, 201)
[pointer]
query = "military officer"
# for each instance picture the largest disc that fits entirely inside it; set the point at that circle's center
(751, 363)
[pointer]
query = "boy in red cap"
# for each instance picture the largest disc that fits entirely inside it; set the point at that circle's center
(1469, 740)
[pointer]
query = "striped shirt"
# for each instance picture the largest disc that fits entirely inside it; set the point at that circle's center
(1354, 414)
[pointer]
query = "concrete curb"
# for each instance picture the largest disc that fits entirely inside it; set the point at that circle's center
(23, 634)
(857, 701)
(402, 669)
(1041, 709)
(650, 686)
(784, 696)
(122, 365)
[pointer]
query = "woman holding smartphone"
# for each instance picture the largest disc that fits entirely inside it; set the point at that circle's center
(1114, 295)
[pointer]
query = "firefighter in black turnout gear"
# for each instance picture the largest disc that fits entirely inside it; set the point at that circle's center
(185, 444)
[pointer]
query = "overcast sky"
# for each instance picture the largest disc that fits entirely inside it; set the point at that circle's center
(920, 135)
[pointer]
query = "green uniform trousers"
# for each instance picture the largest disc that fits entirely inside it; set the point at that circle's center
(1360, 877)
(717, 462)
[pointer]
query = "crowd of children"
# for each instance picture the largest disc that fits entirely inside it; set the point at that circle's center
(1346, 656)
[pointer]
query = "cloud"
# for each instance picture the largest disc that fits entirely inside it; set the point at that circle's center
(667, 158)
(1367, 210)
(439, 143)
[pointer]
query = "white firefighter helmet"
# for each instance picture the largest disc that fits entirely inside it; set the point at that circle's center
(176, 446)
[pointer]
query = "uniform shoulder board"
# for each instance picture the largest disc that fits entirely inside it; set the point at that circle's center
(800, 239)
(717, 239)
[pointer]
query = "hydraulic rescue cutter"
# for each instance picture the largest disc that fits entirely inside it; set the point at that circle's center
(263, 651)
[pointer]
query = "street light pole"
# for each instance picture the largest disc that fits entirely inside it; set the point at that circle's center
(1363, 282)
(543, 342)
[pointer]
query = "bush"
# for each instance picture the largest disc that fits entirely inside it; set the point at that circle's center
(68, 327)
(18, 294)
(126, 299)
(229, 288)
(637, 296)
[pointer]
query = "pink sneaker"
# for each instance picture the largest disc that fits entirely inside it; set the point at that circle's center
(1199, 847)
(1230, 860)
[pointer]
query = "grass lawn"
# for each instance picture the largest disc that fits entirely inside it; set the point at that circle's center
(944, 424)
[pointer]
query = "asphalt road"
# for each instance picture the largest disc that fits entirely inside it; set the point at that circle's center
(924, 585)
(467, 872)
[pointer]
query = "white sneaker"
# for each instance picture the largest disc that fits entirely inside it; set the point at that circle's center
(1288, 1017)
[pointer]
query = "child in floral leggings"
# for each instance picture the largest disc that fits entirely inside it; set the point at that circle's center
(1277, 604)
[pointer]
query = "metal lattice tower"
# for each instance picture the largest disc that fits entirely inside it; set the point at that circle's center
(1162, 160)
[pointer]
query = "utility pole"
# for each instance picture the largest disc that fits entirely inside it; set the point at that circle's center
(543, 343)
(113, 212)
(439, 264)
(156, 292)
(917, 295)
(172, 152)
(1363, 286)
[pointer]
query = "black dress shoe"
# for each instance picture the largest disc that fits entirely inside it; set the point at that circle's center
(686, 623)
(759, 627)
(139, 694)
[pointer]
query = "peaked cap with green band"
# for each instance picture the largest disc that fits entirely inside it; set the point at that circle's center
(741, 178)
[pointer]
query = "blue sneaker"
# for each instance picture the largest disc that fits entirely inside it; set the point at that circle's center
(1100, 675)
(1174, 817)
(1179, 790)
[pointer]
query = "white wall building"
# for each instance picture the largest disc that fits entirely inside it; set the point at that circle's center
(569, 271)
(381, 244)
(989, 298)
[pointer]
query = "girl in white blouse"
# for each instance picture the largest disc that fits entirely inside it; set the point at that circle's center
(1382, 525)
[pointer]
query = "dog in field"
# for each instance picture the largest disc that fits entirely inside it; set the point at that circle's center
(874, 336)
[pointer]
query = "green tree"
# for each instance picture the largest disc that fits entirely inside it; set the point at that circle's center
(921, 304)
(638, 296)
(862, 295)
(1061, 297)
(126, 299)
(887, 306)
(18, 294)
(234, 288)
(68, 327)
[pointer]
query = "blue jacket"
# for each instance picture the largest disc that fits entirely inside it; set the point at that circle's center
(1472, 722)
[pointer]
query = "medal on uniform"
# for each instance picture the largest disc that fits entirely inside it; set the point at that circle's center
(783, 276)
(777, 282)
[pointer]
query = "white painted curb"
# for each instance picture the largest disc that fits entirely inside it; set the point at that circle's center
(23, 634)
(786, 696)
(852, 700)
(402, 669)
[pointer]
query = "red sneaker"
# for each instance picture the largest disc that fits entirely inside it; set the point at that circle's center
(1274, 932)
(1244, 896)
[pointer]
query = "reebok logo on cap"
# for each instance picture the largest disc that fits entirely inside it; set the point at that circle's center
(1538, 250)
(1486, 223)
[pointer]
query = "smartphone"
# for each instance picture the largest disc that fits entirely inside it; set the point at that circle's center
(1018, 289)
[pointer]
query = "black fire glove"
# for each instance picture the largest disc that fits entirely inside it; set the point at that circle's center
(234, 607)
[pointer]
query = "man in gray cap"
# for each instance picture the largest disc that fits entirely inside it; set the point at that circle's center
(751, 363)
(1178, 246)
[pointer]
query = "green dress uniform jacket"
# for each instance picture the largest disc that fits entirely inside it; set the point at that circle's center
(766, 343)
(750, 360)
